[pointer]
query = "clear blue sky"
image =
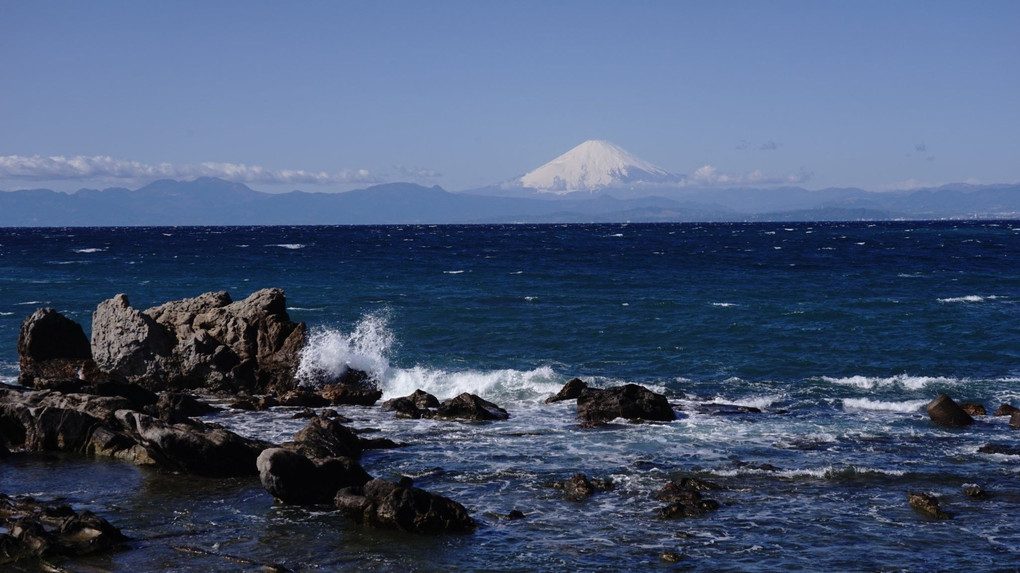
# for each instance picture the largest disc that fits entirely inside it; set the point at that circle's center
(334, 95)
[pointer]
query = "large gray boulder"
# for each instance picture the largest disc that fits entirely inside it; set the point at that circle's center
(204, 342)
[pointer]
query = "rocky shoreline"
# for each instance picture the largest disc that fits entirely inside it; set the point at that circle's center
(134, 391)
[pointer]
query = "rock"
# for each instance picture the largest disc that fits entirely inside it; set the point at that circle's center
(1014, 420)
(177, 407)
(633, 402)
(974, 491)
(138, 396)
(570, 391)
(470, 407)
(202, 342)
(196, 449)
(514, 515)
(927, 505)
(303, 414)
(974, 409)
(685, 499)
(725, 409)
(999, 449)
(52, 347)
(387, 505)
(35, 530)
(303, 398)
(670, 557)
(419, 404)
(944, 411)
(327, 438)
(579, 487)
(293, 478)
(350, 395)
(1006, 410)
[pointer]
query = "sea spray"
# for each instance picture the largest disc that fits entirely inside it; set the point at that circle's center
(330, 351)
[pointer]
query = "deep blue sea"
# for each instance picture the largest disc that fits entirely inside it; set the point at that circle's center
(839, 332)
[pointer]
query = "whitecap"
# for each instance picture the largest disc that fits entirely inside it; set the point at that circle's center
(496, 385)
(90, 250)
(531, 298)
(31, 302)
(330, 352)
(724, 304)
(906, 407)
(292, 246)
(6, 313)
(901, 380)
(968, 298)
(453, 272)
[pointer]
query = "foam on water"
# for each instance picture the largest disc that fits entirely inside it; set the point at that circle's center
(330, 352)
(906, 407)
(90, 250)
(291, 246)
(900, 380)
(968, 298)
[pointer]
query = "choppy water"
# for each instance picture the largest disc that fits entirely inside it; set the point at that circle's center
(840, 333)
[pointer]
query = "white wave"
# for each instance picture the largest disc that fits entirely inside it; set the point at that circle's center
(724, 304)
(29, 303)
(530, 298)
(906, 407)
(90, 250)
(329, 352)
(453, 272)
(493, 385)
(292, 246)
(968, 298)
(760, 402)
(6, 313)
(900, 380)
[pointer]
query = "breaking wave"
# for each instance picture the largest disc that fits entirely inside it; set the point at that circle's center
(900, 380)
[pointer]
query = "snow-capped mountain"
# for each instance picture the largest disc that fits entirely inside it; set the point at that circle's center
(592, 166)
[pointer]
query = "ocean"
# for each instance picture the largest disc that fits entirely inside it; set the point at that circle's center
(839, 333)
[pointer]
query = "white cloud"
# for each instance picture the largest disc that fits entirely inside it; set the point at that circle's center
(39, 168)
(416, 173)
(709, 175)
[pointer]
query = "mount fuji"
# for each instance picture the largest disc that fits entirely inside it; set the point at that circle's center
(591, 167)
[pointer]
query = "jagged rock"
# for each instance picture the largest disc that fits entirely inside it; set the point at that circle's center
(725, 409)
(974, 409)
(999, 449)
(419, 404)
(685, 499)
(570, 391)
(327, 438)
(293, 478)
(176, 407)
(927, 505)
(50, 421)
(303, 398)
(52, 347)
(193, 448)
(345, 394)
(633, 402)
(34, 530)
(1006, 410)
(470, 407)
(579, 487)
(944, 411)
(387, 505)
(202, 342)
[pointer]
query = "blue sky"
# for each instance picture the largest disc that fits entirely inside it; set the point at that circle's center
(337, 95)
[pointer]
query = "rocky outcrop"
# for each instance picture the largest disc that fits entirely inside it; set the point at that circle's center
(974, 409)
(32, 530)
(470, 407)
(570, 391)
(419, 404)
(580, 488)
(633, 402)
(52, 348)
(294, 478)
(1006, 410)
(945, 412)
(327, 438)
(401, 506)
(685, 499)
(926, 505)
(202, 342)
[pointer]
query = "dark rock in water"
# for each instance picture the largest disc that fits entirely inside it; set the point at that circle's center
(202, 342)
(974, 409)
(255, 404)
(633, 402)
(138, 396)
(196, 449)
(927, 505)
(293, 478)
(974, 491)
(34, 530)
(304, 414)
(999, 449)
(303, 398)
(388, 505)
(176, 407)
(725, 409)
(52, 347)
(327, 438)
(419, 404)
(570, 391)
(1014, 420)
(350, 395)
(944, 411)
(1006, 410)
(579, 487)
(670, 557)
(470, 407)
(685, 499)
(515, 514)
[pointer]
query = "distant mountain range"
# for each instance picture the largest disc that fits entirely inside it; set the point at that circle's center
(594, 182)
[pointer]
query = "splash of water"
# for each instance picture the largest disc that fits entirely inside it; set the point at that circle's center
(330, 352)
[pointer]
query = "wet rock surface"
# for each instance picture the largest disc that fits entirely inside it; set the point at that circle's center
(401, 506)
(945, 412)
(632, 402)
(34, 529)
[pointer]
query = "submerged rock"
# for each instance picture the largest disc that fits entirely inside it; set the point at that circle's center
(570, 391)
(633, 402)
(685, 499)
(579, 487)
(388, 505)
(470, 407)
(32, 530)
(974, 409)
(944, 411)
(927, 505)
